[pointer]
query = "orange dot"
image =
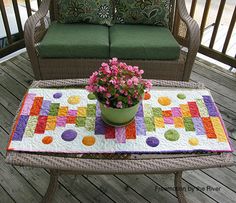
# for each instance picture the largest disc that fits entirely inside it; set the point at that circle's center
(88, 140)
(47, 140)
(147, 96)
(164, 101)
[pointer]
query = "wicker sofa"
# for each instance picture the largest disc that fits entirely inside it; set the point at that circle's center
(53, 53)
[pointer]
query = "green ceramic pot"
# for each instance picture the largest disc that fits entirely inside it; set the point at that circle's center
(118, 117)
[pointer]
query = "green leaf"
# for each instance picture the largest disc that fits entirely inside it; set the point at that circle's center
(153, 13)
(148, 2)
(145, 15)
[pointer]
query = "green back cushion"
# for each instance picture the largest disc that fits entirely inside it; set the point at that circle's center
(85, 11)
(149, 12)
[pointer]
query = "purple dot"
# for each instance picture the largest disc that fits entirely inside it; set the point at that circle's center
(152, 141)
(57, 95)
(68, 135)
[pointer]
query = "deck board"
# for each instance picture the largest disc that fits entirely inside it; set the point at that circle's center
(5, 197)
(16, 185)
(202, 180)
(116, 189)
(146, 187)
(83, 189)
(193, 195)
(15, 77)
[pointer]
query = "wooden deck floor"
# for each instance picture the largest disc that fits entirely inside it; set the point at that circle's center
(22, 184)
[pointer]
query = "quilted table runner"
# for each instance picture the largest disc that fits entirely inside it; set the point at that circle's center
(168, 120)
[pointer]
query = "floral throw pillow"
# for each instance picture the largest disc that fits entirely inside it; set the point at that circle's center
(151, 12)
(85, 11)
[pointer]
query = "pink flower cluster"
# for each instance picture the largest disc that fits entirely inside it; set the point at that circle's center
(117, 84)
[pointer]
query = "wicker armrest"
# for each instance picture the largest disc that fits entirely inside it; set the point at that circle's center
(193, 37)
(31, 34)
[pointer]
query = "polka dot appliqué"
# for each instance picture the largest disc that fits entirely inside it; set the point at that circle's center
(152, 141)
(193, 141)
(172, 135)
(91, 96)
(147, 96)
(89, 140)
(57, 95)
(73, 100)
(164, 101)
(47, 140)
(181, 96)
(69, 135)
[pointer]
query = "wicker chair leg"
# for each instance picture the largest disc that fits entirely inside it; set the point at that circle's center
(52, 187)
(179, 188)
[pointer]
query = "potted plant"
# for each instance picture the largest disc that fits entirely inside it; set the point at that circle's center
(119, 88)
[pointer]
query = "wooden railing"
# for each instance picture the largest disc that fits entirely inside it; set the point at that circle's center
(208, 50)
(13, 41)
(16, 41)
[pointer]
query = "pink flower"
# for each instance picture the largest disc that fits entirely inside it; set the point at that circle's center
(129, 82)
(136, 68)
(101, 89)
(107, 70)
(89, 88)
(141, 72)
(122, 65)
(148, 84)
(119, 104)
(122, 82)
(135, 80)
(130, 68)
(130, 102)
(113, 61)
(122, 91)
(115, 70)
(108, 95)
(113, 82)
(105, 65)
(93, 78)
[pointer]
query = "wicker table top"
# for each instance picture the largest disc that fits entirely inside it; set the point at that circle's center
(112, 164)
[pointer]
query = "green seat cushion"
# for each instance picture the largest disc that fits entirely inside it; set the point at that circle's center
(75, 41)
(143, 42)
(147, 12)
(85, 11)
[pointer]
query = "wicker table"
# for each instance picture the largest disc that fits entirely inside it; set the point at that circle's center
(152, 164)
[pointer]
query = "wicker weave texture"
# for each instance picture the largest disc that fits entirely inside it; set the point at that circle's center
(103, 166)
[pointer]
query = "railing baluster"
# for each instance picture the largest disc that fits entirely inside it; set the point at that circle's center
(217, 23)
(193, 8)
(39, 2)
(204, 17)
(28, 7)
(5, 22)
(230, 30)
(176, 23)
(17, 15)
